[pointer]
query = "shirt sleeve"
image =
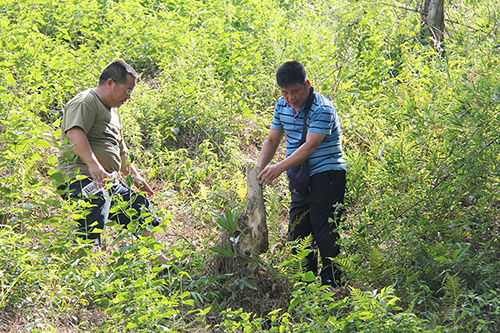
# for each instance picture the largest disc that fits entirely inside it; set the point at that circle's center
(277, 124)
(79, 114)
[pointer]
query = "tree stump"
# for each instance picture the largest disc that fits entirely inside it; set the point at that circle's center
(252, 221)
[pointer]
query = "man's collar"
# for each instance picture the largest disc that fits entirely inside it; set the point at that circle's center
(100, 99)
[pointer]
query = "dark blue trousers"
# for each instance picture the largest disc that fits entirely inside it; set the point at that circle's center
(311, 214)
(117, 202)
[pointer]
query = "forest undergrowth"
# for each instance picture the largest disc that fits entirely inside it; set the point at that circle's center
(420, 236)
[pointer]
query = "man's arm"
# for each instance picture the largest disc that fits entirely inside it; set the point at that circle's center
(270, 173)
(129, 169)
(269, 148)
(82, 149)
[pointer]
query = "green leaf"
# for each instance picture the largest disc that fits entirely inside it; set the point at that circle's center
(139, 283)
(131, 325)
(224, 252)
(294, 303)
(9, 79)
(57, 176)
(442, 259)
(103, 302)
(42, 143)
(246, 282)
(309, 277)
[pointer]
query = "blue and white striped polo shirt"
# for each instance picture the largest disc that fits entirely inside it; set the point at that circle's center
(322, 118)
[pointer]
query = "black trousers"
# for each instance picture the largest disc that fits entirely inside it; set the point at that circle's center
(311, 215)
(101, 207)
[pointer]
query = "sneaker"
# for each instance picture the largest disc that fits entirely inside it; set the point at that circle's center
(329, 289)
(333, 283)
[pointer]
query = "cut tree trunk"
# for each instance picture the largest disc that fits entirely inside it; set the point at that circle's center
(252, 222)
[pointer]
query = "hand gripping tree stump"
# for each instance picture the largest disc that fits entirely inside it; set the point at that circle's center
(252, 221)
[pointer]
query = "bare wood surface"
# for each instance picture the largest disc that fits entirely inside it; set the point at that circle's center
(252, 222)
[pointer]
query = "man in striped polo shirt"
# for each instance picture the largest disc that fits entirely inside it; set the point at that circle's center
(311, 213)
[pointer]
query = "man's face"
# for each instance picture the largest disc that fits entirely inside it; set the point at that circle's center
(121, 92)
(296, 94)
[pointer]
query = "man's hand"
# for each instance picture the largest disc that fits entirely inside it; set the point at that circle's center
(82, 149)
(269, 174)
(141, 184)
(99, 175)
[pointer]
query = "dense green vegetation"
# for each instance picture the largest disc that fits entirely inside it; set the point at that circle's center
(420, 237)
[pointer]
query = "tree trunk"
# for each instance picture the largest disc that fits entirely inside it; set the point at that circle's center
(433, 22)
(252, 222)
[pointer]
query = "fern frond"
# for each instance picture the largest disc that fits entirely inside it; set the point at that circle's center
(302, 251)
(346, 265)
(453, 295)
(304, 243)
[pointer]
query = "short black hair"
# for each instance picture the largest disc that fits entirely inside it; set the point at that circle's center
(290, 73)
(118, 71)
